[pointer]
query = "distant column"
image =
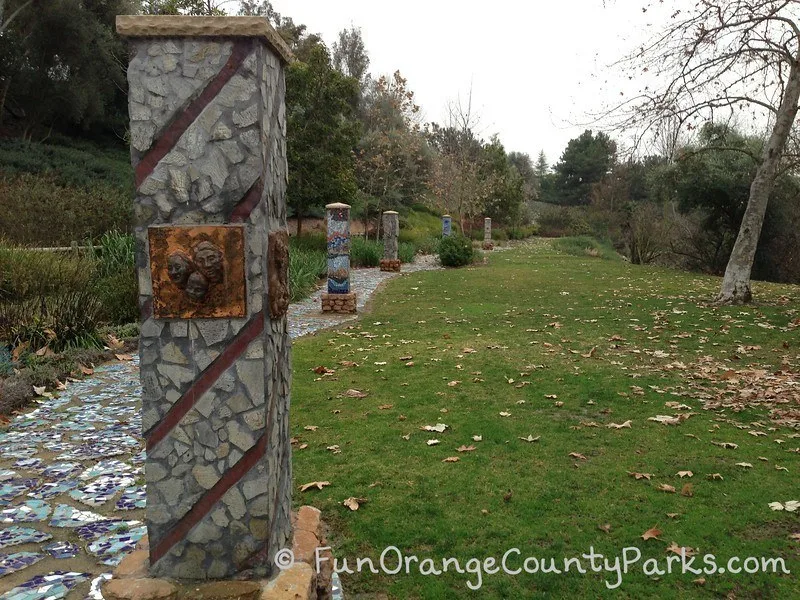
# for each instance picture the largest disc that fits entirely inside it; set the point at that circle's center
(339, 298)
(487, 234)
(447, 225)
(391, 230)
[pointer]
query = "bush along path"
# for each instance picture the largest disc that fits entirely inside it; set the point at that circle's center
(72, 492)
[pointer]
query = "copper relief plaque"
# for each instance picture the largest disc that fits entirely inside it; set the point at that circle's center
(198, 271)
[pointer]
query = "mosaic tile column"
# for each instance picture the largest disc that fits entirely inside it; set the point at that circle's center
(391, 231)
(447, 226)
(339, 298)
(208, 146)
(487, 234)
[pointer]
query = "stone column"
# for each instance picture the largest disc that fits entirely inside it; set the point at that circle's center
(487, 234)
(391, 229)
(208, 146)
(339, 298)
(447, 225)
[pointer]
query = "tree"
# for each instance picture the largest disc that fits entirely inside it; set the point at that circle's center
(76, 78)
(392, 157)
(586, 160)
(717, 60)
(321, 133)
(524, 166)
(350, 55)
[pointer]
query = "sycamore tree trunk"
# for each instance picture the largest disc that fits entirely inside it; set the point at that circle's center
(736, 283)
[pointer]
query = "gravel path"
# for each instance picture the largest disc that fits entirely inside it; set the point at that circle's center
(72, 490)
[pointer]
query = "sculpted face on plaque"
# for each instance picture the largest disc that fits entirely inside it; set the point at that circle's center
(197, 274)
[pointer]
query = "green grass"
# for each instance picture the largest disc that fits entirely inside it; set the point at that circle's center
(586, 246)
(530, 316)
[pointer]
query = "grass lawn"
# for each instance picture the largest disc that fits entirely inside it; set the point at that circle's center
(556, 347)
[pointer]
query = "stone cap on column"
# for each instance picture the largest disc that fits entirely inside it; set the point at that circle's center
(446, 217)
(172, 26)
(336, 205)
(391, 212)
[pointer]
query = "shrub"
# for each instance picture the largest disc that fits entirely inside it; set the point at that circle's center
(406, 252)
(118, 295)
(365, 253)
(316, 241)
(39, 210)
(116, 253)
(561, 221)
(456, 251)
(67, 320)
(428, 245)
(306, 267)
(27, 274)
(522, 233)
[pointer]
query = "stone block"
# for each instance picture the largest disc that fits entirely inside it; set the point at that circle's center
(297, 583)
(339, 303)
(140, 589)
(390, 265)
(134, 565)
(225, 590)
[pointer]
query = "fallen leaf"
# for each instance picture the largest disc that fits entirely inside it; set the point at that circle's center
(745, 465)
(321, 370)
(505, 414)
(39, 391)
(726, 445)
(314, 484)
(683, 474)
(466, 449)
(639, 476)
(354, 394)
(605, 527)
(451, 459)
(530, 439)
(675, 549)
(477, 438)
(590, 354)
(433, 442)
(438, 428)
(687, 490)
(651, 534)
(311, 427)
(86, 370)
(699, 581)
(714, 476)
(577, 456)
(666, 488)
(673, 515)
(626, 424)
(386, 407)
(123, 357)
(348, 363)
(354, 503)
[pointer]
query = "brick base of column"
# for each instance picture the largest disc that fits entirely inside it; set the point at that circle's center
(488, 246)
(339, 303)
(131, 580)
(390, 265)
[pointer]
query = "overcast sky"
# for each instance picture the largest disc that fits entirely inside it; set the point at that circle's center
(536, 68)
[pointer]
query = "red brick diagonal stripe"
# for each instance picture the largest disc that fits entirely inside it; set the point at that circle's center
(196, 514)
(206, 379)
(184, 118)
(247, 204)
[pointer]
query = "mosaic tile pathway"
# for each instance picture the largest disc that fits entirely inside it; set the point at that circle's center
(72, 489)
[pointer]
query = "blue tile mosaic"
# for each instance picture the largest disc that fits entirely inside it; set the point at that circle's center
(92, 531)
(26, 512)
(15, 487)
(61, 470)
(16, 535)
(11, 563)
(52, 489)
(101, 490)
(66, 516)
(52, 586)
(106, 467)
(132, 498)
(62, 549)
(94, 591)
(111, 549)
